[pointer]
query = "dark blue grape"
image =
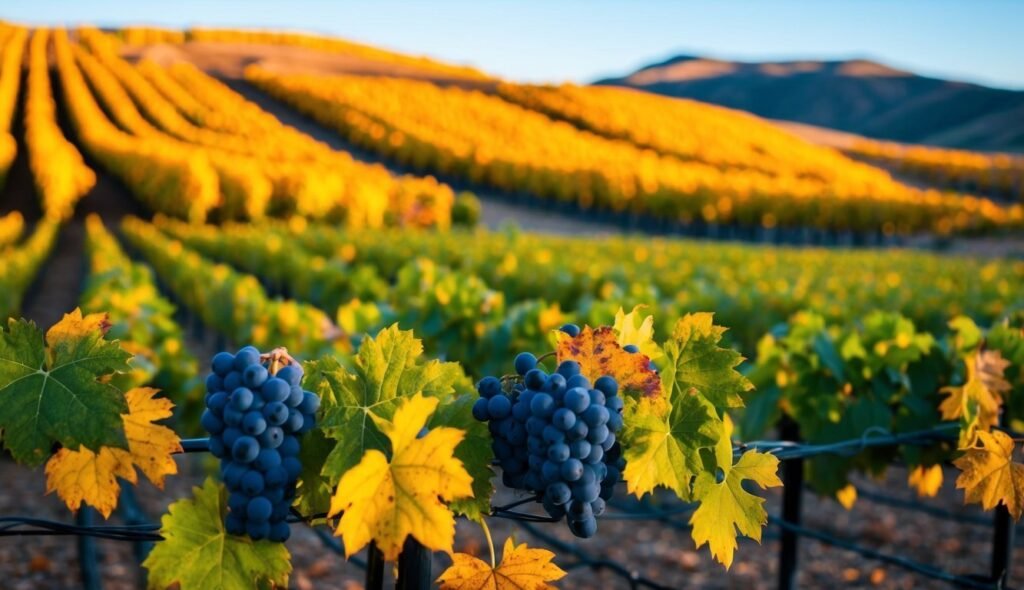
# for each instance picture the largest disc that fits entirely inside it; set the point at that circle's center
(271, 437)
(480, 410)
(607, 385)
(558, 493)
(569, 369)
(551, 471)
(310, 403)
(614, 403)
(279, 532)
(596, 397)
(584, 528)
(595, 416)
(587, 492)
(222, 363)
(234, 524)
(554, 382)
(535, 379)
(525, 362)
(578, 431)
(615, 422)
(489, 387)
(230, 435)
(597, 434)
(245, 449)
(499, 407)
(252, 482)
(254, 376)
(292, 374)
(276, 494)
(580, 449)
(241, 399)
(259, 509)
(276, 413)
(297, 422)
(577, 381)
(281, 510)
(535, 426)
(542, 405)
(608, 441)
(553, 510)
(577, 400)
(631, 348)
(292, 466)
(254, 423)
(233, 474)
(267, 460)
(217, 448)
(295, 394)
(571, 329)
(502, 450)
(275, 477)
(211, 423)
(232, 381)
(596, 454)
(553, 435)
(214, 383)
(238, 502)
(517, 434)
(233, 418)
(558, 452)
(289, 446)
(597, 506)
(276, 390)
(572, 469)
(257, 530)
(217, 401)
(245, 357)
(563, 419)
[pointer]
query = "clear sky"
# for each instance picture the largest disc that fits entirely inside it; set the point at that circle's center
(550, 40)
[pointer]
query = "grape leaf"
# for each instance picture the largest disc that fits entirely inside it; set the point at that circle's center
(990, 477)
(83, 475)
(387, 370)
(599, 353)
(386, 502)
(694, 360)
(198, 554)
(976, 403)
(521, 568)
(665, 450)
(53, 390)
(633, 328)
(926, 480)
(726, 508)
(474, 452)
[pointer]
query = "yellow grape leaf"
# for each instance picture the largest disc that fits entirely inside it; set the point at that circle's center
(521, 568)
(74, 324)
(386, 502)
(926, 480)
(726, 507)
(990, 476)
(974, 403)
(638, 330)
(847, 496)
(599, 353)
(85, 476)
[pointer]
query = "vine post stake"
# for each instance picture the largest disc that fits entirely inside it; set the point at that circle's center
(413, 566)
(374, 568)
(792, 495)
(88, 556)
(1002, 541)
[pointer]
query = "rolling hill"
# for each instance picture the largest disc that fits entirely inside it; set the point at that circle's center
(858, 96)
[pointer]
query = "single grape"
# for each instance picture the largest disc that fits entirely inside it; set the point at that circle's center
(580, 510)
(232, 381)
(558, 493)
(241, 399)
(541, 406)
(259, 509)
(553, 435)
(554, 382)
(275, 495)
(563, 419)
(607, 385)
(571, 329)
(310, 403)
(489, 387)
(292, 466)
(608, 442)
(222, 363)
(534, 379)
(276, 413)
(595, 416)
(233, 473)
(615, 422)
(214, 383)
(577, 399)
(217, 448)
(517, 434)
(578, 431)
(577, 381)
(614, 403)
(601, 470)
(580, 449)
(553, 510)
(229, 436)
(234, 524)
(480, 410)
(238, 502)
(211, 423)
(279, 532)
(254, 424)
(289, 446)
(586, 492)
(252, 482)
(597, 506)
(245, 357)
(525, 362)
(499, 407)
(569, 369)
(254, 376)
(296, 422)
(631, 348)
(233, 417)
(245, 449)
(572, 469)
(267, 460)
(276, 390)
(217, 401)
(596, 397)
(271, 437)
(295, 394)
(551, 471)
(257, 530)
(585, 528)
(292, 374)
(275, 477)
(281, 510)
(597, 434)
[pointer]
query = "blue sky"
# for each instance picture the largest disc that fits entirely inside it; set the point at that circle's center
(973, 40)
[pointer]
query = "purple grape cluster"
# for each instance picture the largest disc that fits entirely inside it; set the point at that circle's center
(554, 435)
(254, 420)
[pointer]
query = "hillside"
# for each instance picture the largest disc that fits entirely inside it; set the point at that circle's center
(857, 96)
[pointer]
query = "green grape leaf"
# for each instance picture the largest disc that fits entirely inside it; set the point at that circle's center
(665, 450)
(313, 495)
(474, 452)
(198, 554)
(694, 360)
(388, 368)
(52, 390)
(726, 508)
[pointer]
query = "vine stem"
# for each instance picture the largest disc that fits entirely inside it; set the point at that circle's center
(546, 356)
(490, 541)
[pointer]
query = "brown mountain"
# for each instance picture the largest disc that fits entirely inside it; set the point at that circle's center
(859, 96)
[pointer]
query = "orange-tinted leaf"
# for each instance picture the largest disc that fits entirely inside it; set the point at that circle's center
(599, 353)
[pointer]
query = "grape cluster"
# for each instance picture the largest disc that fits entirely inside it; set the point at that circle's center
(554, 435)
(254, 420)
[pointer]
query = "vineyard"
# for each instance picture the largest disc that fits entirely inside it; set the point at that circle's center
(332, 374)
